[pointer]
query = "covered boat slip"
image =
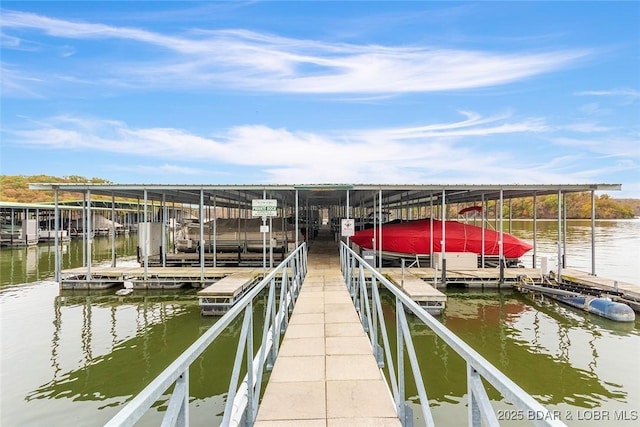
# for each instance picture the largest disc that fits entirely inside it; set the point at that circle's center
(17, 218)
(238, 235)
(298, 210)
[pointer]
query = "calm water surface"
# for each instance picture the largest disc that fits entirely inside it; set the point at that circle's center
(77, 357)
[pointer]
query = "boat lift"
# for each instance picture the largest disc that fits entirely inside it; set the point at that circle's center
(595, 301)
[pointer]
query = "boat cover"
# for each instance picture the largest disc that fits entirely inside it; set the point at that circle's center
(413, 237)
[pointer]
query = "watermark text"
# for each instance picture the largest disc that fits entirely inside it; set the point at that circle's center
(569, 415)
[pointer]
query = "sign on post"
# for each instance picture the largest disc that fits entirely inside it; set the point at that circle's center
(264, 207)
(348, 227)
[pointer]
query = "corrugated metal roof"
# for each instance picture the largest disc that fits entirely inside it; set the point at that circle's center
(321, 194)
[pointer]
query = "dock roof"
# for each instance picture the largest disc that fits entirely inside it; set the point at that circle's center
(321, 194)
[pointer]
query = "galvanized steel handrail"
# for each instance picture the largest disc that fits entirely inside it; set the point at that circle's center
(242, 399)
(479, 408)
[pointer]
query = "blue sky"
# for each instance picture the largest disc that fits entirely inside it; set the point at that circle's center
(323, 92)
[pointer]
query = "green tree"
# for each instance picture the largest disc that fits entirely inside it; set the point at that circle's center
(15, 188)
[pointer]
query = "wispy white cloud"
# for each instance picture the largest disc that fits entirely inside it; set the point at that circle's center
(164, 169)
(436, 152)
(593, 108)
(9, 42)
(474, 125)
(586, 127)
(604, 145)
(84, 30)
(67, 51)
(250, 60)
(625, 93)
(268, 146)
(17, 83)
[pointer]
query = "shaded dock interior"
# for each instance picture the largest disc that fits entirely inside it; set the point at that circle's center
(222, 243)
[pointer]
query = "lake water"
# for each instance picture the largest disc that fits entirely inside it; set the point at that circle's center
(74, 358)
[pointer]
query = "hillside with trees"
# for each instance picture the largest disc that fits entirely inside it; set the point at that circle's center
(15, 188)
(578, 206)
(633, 204)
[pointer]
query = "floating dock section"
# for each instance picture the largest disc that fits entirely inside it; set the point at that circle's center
(627, 293)
(216, 299)
(224, 259)
(427, 297)
(472, 278)
(156, 277)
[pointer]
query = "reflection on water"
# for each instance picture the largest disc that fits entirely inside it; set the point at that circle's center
(105, 349)
(77, 357)
(550, 355)
(565, 358)
(26, 265)
(123, 346)
(617, 246)
(95, 340)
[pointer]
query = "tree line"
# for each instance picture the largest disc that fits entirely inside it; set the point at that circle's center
(15, 188)
(577, 205)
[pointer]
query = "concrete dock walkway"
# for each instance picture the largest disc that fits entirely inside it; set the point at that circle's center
(325, 373)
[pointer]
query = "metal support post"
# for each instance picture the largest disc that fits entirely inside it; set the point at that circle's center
(163, 250)
(202, 248)
(55, 237)
(443, 206)
(89, 235)
(501, 241)
(400, 405)
(113, 230)
(535, 230)
(593, 233)
(559, 246)
(145, 240)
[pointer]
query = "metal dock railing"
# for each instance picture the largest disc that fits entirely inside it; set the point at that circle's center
(242, 399)
(361, 283)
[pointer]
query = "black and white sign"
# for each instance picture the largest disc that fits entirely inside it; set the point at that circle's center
(348, 227)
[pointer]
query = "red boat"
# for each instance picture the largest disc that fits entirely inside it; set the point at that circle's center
(414, 238)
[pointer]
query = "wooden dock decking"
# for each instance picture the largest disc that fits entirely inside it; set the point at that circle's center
(325, 373)
(157, 277)
(223, 259)
(478, 277)
(232, 284)
(581, 277)
(428, 297)
(219, 297)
